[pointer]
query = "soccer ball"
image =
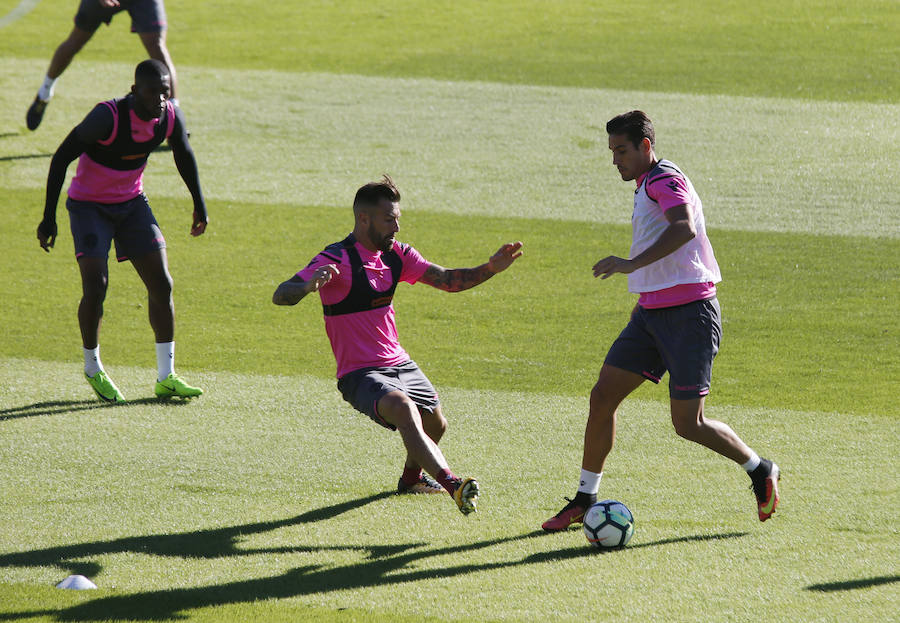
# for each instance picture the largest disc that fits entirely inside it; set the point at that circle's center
(608, 524)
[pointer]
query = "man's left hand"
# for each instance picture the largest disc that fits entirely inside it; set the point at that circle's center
(199, 225)
(506, 255)
(611, 265)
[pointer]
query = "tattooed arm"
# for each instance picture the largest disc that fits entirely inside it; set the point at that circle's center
(294, 289)
(458, 279)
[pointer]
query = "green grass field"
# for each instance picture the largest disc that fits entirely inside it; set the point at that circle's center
(269, 498)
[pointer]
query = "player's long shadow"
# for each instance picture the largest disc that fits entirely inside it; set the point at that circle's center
(382, 564)
(213, 543)
(24, 157)
(582, 552)
(385, 565)
(382, 568)
(854, 584)
(57, 407)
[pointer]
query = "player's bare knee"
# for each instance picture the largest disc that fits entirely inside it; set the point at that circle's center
(399, 410)
(604, 398)
(434, 422)
(160, 291)
(687, 428)
(93, 288)
(73, 44)
(155, 44)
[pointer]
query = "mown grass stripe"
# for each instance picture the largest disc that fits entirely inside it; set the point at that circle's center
(478, 148)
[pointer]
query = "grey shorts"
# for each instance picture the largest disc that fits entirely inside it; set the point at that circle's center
(131, 224)
(682, 340)
(363, 389)
(146, 15)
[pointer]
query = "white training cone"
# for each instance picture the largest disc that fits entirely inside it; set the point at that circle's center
(76, 582)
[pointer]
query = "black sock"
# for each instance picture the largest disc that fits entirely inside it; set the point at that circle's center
(585, 499)
(762, 470)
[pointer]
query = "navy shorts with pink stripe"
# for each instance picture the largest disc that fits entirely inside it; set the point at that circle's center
(363, 389)
(681, 340)
(131, 224)
(146, 15)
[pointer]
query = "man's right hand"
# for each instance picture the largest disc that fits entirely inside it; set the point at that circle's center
(323, 275)
(46, 234)
(294, 289)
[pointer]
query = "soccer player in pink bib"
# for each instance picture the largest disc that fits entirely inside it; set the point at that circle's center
(674, 327)
(356, 279)
(106, 202)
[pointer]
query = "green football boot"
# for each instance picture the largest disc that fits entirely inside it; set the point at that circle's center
(173, 385)
(104, 387)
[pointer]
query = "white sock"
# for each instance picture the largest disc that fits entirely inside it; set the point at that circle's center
(92, 363)
(46, 90)
(752, 463)
(165, 359)
(590, 482)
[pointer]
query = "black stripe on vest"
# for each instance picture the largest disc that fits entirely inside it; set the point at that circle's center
(362, 296)
(124, 153)
(662, 170)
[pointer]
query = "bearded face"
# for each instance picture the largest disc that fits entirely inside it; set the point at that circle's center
(383, 225)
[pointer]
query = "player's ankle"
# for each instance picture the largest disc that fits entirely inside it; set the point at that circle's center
(584, 499)
(411, 475)
(447, 480)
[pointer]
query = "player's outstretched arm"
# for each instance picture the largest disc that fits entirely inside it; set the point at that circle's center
(459, 279)
(293, 290)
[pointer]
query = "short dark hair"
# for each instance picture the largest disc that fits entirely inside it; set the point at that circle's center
(635, 124)
(371, 194)
(151, 69)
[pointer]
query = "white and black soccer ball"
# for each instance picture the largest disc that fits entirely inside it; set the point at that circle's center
(608, 524)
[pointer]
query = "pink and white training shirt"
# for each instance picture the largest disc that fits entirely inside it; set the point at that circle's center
(691, 271)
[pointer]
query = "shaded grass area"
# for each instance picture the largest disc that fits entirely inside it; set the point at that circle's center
(268, 498)
(800, 49)
(808, 320)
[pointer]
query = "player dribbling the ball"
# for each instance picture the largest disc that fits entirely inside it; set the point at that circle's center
(674, 327)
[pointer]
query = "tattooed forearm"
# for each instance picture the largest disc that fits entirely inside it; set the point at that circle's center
(456, 279)
(290, 292)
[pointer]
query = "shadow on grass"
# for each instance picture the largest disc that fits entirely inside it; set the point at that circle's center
(57, 407)
(381, 569)
(24, 157)
(585, 551)
(214, 543)
(382, 565)
(853, 584)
